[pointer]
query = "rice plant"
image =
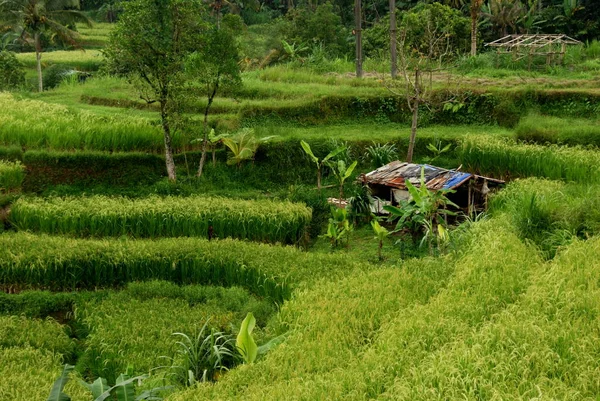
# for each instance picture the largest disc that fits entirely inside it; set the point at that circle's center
(33, 124)
(12, 175)
(507, 159)
(153, 217)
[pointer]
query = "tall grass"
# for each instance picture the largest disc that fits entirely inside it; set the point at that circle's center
(58, 263)
(28, 374)
(153, 217)
(12, 175)
(547, 129)
(35, 124)
(17, 331)
(507, 159)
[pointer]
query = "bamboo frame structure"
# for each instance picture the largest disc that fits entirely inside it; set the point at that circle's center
(531, 45)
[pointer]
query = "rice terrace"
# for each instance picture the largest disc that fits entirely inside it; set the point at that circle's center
(299, 200)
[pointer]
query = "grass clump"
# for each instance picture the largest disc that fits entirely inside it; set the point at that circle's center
(12, 175)
(551, 214)
(28, 374)
(153, 217)
(20, 331)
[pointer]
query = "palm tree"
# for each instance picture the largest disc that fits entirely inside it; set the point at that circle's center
(474, 11)
(31, 18)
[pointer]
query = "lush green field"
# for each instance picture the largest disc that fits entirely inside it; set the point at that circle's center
(102, 259)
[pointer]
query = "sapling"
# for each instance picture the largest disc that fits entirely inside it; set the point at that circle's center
(320, 163)
(381, 233)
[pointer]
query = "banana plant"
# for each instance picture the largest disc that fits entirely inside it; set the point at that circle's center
(381, 233)
(247, 346)
(424, 213)
(342, 173)
(123, 390)
(243, 146)
(320, 163)
(245, 341)
(339, 227)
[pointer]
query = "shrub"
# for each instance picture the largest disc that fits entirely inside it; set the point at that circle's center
(153, 217)
(12, 74)
(55, 74)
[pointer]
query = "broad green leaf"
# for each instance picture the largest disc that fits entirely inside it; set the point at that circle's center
(98, 387)
(56, 394)
(125, 391)
(350, 169)
(309, 152)
(334, 153)
(245, 342)
(263, 349)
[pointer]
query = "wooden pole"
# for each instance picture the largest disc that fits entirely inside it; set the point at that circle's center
(358, 32)
(393, 39)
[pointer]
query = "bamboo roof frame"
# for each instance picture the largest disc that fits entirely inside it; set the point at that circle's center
(532, 41)
(529, 45)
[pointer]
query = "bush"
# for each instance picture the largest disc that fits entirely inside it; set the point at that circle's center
(12, 74)
(154, 217)
(55, 74)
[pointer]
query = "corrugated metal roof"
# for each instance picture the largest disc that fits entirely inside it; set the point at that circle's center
(396, 173)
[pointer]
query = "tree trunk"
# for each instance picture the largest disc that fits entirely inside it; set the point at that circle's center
(379, 251)
(393, 39)
(319, 179)
(214, 155)
(205, 140)
(38, 56)
(358, 31)
(415, 118)
(168, 147)
(474, 34)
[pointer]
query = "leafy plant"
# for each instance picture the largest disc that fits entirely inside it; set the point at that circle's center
(320, 163)
(381, 154)
(123, 390)
(245, 342)
(203, 356)
(381, 233)
(243, 146)
(424, 213)
(339, 227)
(437, 149)
(342, 173)
(359, 205)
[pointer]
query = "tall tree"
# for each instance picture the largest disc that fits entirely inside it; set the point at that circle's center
(358, 34)
(215, 66)
(475, 10)
(151, 44)
(393, 39)
(33, 18)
